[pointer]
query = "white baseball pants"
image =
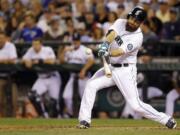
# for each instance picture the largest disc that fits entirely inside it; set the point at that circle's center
(151, 93)
(170, 101)
(51, 85)
(125, 79)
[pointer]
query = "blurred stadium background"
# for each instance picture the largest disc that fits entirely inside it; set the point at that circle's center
(56, 21)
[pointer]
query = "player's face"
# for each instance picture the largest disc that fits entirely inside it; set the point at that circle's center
(132, 24)
(36, 46)
(76, 44)
(2, 40)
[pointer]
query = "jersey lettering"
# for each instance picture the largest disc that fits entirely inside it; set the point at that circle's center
(118, 40)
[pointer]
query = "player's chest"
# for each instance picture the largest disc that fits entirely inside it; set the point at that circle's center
(77, 56)
(4, 53)
(38, 55)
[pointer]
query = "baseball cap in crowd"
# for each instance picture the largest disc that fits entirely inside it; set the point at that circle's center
(76, 36)
(145, 1)
(162, 2)
(54, 18)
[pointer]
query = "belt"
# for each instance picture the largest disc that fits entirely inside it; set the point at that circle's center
(48, 76)
(120, 65)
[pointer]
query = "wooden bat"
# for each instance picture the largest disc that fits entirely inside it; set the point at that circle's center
(107, 69)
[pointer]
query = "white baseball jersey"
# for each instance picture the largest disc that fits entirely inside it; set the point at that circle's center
(131, 42)
(45, 53)
(123, 77)
(49, 81)
(8, 51)
(78, 56)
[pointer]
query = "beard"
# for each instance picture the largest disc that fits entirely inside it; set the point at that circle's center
(130, 27)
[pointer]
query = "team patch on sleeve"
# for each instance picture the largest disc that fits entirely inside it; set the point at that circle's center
(130, 47)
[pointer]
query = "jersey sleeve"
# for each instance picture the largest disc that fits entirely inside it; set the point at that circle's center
(12, 52)
(132, 44)
(51, 54)
(67, 56)
(89, 54)
(27, 55)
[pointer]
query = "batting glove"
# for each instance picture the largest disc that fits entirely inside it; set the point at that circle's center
(103, 49)
(102, 52)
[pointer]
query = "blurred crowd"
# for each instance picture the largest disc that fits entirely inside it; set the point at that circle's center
(24, 20)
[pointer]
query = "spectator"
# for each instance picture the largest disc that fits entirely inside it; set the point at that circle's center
(16, 18)
(112, 16)
(28, 28)
(54, 32)
(112, 5)
(147, 5)
(3, 23)
(171, 28)
(148, 34)
(5, 8)
(8, 55)
(37, 9)
(52, 6)
(163, 12)
(101, 13)
(89, 20)
(156, 26)
(121, 12)
(44, 20)
(76, 54)
(98, 33)
(47, 82)
(69, 30)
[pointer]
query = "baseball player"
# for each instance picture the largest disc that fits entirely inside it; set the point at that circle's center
(123, 41)
(77, 53)
(172, 96)
(8, 55)
(49, 81)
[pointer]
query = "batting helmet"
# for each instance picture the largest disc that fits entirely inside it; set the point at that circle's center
(139, 13)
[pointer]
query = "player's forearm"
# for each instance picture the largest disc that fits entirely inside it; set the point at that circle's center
(49, 61)
(8, 61)
(62, 57)
(88, 65)
(116, 52)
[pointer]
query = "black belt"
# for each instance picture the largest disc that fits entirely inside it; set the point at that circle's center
(120, 65)
(48, 76)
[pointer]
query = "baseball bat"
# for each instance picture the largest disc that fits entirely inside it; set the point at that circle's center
(107, 70)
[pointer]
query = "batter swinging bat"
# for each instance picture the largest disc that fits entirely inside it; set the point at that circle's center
(106, 68)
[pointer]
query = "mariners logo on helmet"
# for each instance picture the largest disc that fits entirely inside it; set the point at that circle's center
(139, 13)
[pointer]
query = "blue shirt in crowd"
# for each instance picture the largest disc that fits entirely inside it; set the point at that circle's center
(28, 34)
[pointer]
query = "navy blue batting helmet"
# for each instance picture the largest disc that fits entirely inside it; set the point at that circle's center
(139, 13)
